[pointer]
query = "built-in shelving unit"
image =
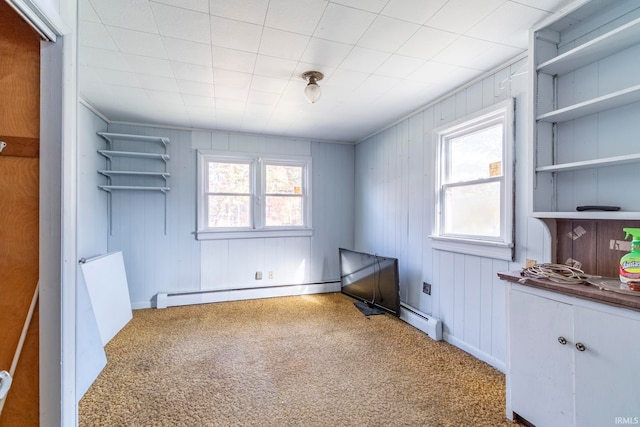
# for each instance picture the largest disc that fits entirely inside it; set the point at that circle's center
(143, 169)
(585, 71)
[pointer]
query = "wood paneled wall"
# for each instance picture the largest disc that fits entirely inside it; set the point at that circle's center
(395, 208)
(19, 213)
(176, 261)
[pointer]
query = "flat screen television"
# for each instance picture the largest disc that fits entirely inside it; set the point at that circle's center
(372, 279)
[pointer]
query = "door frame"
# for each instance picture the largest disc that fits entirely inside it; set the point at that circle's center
(57, 25)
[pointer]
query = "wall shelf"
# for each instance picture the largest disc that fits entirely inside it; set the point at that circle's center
(602, 42)
(133, 187)
(599, 48)
(141, 169)
(592, 106)
(134, 173)
(587, 164)
(110, 154)
(111, 137)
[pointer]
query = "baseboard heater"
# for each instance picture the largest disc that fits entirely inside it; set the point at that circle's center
(172, 299)
(427, 324)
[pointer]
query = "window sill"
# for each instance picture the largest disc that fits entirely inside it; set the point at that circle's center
(486, 249)
(253, 234)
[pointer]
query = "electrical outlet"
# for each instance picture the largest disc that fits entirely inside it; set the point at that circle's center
(426, 288)
(530, 263)
(258, 275)
(271, 275)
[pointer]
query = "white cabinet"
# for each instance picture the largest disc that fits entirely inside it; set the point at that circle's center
(571, 362)
(585, 71)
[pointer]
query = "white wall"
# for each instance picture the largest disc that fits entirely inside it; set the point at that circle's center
(176, 261)
(394, 212)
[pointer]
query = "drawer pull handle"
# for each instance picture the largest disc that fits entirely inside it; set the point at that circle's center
(562, 340)
(580, 346)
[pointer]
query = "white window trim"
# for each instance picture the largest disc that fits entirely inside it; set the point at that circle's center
(257, 229)
(502, 248)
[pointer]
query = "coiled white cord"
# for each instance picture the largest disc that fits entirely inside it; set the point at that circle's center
(558, 273)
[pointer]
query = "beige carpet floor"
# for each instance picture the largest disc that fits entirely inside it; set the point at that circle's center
(295, 361)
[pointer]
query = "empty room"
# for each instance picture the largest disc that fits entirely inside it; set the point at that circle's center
(319, 212)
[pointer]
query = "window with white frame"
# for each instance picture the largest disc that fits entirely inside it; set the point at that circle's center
(474, 184)
(241, 195)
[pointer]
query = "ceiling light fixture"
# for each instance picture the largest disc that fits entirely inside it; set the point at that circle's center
(312, 91)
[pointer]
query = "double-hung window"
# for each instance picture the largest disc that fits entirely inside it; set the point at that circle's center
(246, 196)
(474, 184)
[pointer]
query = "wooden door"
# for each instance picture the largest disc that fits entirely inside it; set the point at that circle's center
(19, 213)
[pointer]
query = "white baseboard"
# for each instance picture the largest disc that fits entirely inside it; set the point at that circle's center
(475, 352)
(426, 323)
(168, 299)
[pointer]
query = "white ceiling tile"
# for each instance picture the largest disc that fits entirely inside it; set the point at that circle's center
(346, 79)
(252, 11)
(262, 98)
(494, 56)
(196, 88)
(283, 44)
(235, 35)
(110, 77)
(387, 34)
(187, 51)
(426, 43)
(459, 15)
(182, 23)
(232, 79)
(343, 24)
(231, 95)
(192, 72)
(268, 84)
(165, 84)
(230, 105)
(299, 16)
(198, 101)
(417, 11)
(86, 12)
(147, 65)
(463, 52)
(157, 60)
(131, 14)
(365, 60)
(138, 43)
(95, 35)
(166, 100)
(101, 58)
(374, 6)
(509, 24)
(197, 5)
(548, 5)
(231, 59)
(375, 86)
(399, 66)
(274, 67)
(109, 99)
(325, 52)
(436, 72)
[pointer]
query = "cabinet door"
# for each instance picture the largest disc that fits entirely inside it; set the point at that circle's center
(607, 381)
(541, 371)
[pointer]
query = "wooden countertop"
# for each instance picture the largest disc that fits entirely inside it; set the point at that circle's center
(586, 291)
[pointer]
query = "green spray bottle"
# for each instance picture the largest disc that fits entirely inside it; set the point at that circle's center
(630, 263)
